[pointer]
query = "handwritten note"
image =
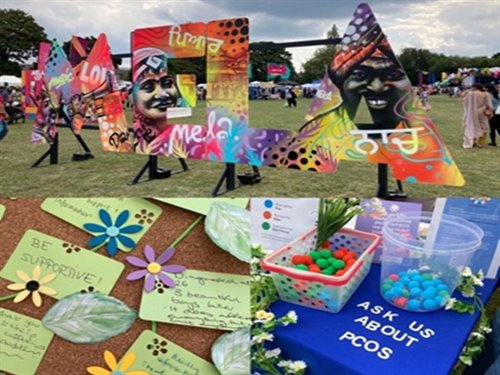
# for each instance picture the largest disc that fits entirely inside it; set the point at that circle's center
(202, 299)
(78, 211)
(76, 268)
(23, 342)
(202, 205)
(159, 356)
(2, 211)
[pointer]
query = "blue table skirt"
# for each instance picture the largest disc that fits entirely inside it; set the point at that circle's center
(364, 349)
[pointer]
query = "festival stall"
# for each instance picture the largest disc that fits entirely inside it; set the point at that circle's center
(399, 281)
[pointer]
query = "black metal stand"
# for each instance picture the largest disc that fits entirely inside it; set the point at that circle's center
(155, 173)
(229, 176)
(382, 188)
(53, 152)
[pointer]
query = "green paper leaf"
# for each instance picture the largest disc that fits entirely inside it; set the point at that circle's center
(231, 352)
(228, 227)
(87, 318)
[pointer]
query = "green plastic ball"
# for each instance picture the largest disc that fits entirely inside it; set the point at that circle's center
(338, 264)
(322, 263)
(325, 254)
(315, 255)
(302, 267)
(328, 271)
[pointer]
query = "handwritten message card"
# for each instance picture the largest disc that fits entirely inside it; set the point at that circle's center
(76, 268)
(202, 205)
(158, 356)
(23, 342)
(202, 299)
(79, 211)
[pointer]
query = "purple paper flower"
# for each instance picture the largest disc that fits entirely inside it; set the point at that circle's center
(154, 267)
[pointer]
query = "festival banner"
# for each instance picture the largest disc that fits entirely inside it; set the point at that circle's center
(278, 70)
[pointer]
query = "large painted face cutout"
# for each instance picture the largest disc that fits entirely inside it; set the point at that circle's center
(363, 68)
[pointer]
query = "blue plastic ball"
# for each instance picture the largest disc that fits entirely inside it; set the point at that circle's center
(415, 292)
(429, 304)
(405, 280)
(417, 278)
(437, 281)
(398, 292)
(439, 300)
(427, 284)
(402, 274)
(413, 304)
(413, 273)
(429, 293)
(389, 295)
(413, 284)
(441, 287)
(398, 284)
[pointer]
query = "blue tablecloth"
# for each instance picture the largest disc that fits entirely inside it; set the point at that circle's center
(352, 342)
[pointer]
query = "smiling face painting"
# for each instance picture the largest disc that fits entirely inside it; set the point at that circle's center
(155, 93)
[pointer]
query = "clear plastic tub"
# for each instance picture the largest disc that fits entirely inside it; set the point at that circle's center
(315, 290)
(420, 271)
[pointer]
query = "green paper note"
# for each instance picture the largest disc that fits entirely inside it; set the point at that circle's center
(79, 211)
(2, 211)
(176, 360)
(77, 269)
(201, 299)
(23, 342)
(202, 205)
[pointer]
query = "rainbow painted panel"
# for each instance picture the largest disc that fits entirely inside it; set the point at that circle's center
(402, 135)
(100, 91)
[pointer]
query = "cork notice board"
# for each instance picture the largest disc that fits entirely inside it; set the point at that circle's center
(196, 251)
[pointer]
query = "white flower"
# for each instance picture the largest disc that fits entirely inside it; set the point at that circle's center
(292, 316)
(477, 281)
(272, 353)
(450, 303)
(297, 366)
(467, 272)
(284, 363)
(264, 336)
(469, 293)
(480, 275)
(476, 335)
(486, 329)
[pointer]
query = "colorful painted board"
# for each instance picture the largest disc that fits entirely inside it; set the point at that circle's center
(365, 66)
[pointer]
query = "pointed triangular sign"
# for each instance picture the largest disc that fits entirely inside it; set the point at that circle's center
(401, 135)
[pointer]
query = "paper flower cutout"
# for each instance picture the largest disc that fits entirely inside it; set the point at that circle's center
(110, 360)
(33, 285)
(111, 233)
(154, 267)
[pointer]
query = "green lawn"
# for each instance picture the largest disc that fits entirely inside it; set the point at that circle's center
(108, 173)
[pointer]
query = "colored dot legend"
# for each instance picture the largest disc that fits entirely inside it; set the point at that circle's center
(268, 203)
(266, 225)
(267, 215)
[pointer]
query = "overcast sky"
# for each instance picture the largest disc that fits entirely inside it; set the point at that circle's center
(458, 27)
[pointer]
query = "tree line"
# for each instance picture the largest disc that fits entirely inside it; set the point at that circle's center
(20, 36)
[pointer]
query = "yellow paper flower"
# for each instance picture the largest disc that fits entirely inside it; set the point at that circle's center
(110, 360)
(33, 285)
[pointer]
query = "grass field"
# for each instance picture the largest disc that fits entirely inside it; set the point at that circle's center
(108, 173)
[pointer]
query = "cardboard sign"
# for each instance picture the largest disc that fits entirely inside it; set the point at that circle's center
(76, 268)
(79, 211)
(160, 356)
(201, 299)
(23, 342)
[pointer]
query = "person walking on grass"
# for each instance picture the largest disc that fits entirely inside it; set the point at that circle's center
(495, 119)
(477, 111)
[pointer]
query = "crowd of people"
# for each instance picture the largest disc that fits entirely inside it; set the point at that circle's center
(481, 115)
